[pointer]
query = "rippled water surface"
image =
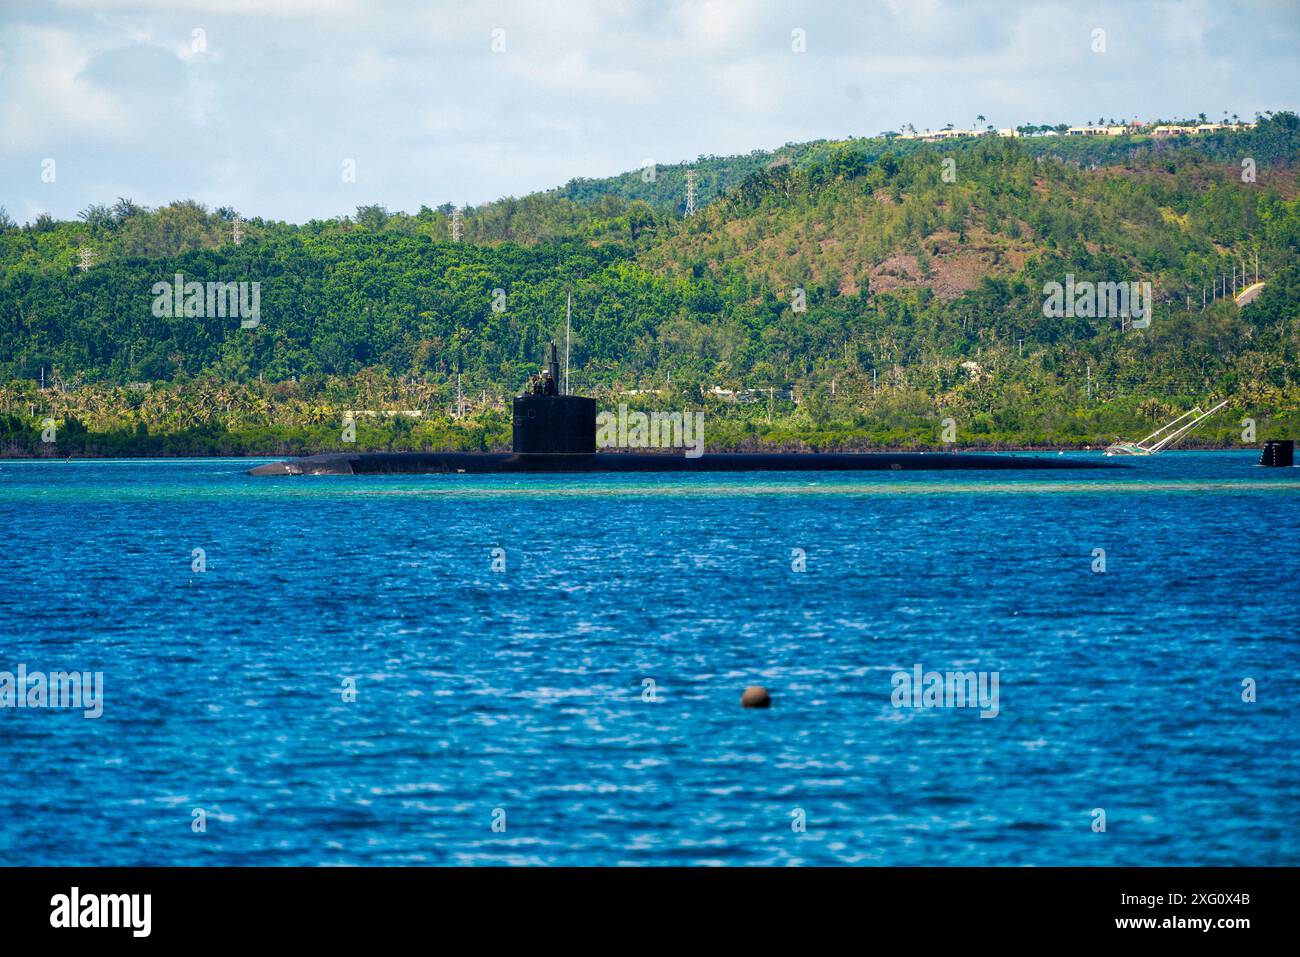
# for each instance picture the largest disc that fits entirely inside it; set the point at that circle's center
(521, 695)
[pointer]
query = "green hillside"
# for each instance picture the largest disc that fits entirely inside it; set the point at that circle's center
(831, 294)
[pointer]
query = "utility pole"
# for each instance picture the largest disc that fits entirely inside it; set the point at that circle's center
(1089, 381)
(568, 314)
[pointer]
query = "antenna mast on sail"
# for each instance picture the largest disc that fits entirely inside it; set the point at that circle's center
(568, 313)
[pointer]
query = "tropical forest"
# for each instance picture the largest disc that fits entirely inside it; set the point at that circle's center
(866, 293)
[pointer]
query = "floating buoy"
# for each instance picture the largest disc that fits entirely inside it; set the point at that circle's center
(755, 696)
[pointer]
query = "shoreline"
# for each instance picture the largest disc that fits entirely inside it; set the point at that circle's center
(9, 456)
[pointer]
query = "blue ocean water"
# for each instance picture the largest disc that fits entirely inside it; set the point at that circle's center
(519, 697)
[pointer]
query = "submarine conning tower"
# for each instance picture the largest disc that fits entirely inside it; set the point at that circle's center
(551, 424)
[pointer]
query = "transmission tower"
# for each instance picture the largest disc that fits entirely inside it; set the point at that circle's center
(455, 225)
(690, 192)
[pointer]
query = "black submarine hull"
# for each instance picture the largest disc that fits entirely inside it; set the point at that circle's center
(432, 463)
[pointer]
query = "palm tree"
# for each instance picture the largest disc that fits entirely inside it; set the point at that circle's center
(125, 208)
(97, 216)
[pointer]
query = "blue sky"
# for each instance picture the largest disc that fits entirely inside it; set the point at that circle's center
(261, 109)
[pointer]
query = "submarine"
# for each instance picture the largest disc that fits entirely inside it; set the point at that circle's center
(556, 433)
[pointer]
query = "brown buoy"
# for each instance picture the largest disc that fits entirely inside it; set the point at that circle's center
(755, 696)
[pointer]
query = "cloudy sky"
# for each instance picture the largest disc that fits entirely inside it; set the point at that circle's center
(257, 104)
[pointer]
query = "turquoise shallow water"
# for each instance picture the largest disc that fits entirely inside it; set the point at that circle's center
(519, 695)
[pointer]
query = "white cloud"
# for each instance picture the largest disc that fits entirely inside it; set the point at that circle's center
(46, 97)
(413, 92)
(272, 8)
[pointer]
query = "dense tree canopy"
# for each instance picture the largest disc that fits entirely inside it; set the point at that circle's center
(848, 280)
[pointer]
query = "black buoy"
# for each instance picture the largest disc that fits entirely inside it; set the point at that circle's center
(1278, 453)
